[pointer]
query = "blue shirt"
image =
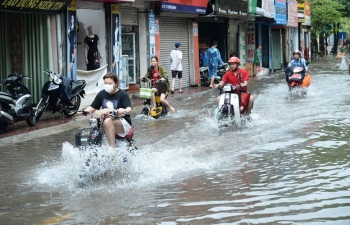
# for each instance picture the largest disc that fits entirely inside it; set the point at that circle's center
(300, 63)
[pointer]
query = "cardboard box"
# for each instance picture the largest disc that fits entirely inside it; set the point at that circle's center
(249, 68)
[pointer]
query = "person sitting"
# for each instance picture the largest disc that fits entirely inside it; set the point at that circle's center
(237, 76)
(112, 99)
(298, 61)
(159, 77)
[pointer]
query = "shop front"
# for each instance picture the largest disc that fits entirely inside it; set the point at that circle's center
(176, 24)
(278, 35)
(293, 37)
(28, 41)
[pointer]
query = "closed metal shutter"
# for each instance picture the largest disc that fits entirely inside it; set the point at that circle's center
(129, 16)
(173, 30)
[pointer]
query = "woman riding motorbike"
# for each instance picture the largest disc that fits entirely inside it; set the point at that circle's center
(159, 76)
(237, 76)
(112, 99)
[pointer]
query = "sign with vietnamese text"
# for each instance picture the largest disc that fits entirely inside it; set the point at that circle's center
(301, 13)
(187, 6)
(281, 12)
(269, 7)
(293, 14)
(35, 6)
(307, 14)
(252, 6)
(232, 7)
(250, 41)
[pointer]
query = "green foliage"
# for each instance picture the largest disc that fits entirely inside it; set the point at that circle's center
(345, 24)
(343, 49)
(324, 12)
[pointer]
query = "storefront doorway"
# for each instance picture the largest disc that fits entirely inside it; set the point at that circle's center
(213, 31)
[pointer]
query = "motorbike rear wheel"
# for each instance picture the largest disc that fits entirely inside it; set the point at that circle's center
(75, 104)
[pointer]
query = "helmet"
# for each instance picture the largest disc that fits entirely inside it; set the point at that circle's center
(297, 52)
(234, 60)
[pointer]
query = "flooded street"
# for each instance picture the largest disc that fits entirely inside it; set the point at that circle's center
(291, 165)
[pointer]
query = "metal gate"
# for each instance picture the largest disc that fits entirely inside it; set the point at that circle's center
(129, 16)
(173, 30)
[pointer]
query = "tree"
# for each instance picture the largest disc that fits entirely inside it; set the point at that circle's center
(323, 13)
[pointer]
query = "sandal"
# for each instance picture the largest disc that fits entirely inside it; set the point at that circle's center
(172, 92)
(249, 119)
(181, 92)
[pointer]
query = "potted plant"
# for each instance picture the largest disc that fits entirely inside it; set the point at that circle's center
(343, 49)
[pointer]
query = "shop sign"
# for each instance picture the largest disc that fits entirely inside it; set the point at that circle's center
(250, 29)
(301, 13)
(186, 6)
(232, 7)
(269, 8)
(113, 1)
(72, 40)
(117, 63)
(35, 6)
(152, 38)
(307, 14)
(252, 6)
(281, 12)
(293, 14)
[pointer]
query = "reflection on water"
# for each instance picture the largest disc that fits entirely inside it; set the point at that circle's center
(289, 166)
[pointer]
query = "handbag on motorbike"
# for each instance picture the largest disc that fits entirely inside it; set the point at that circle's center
(307, 81)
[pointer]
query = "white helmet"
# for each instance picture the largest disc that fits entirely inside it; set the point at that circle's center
(297, 52)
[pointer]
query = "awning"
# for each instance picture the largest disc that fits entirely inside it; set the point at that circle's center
(262, 16)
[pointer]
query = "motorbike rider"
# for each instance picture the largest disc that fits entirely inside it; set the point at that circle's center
(159, 76)
(237, 76)
(298, 61)
(112, 99)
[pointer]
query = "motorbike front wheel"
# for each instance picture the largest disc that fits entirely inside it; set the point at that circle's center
(41, 107)
(73, 107)
(32, 120)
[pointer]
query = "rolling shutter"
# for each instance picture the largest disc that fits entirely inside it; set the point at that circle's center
(173, 30)
(129, 16)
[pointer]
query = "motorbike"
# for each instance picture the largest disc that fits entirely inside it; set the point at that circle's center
(296, 83)
(17, 104)
(232, 106)
(161, 109)
(204, 74)
(54, 95)
(89, 142)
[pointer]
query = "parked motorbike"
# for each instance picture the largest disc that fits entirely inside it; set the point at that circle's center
(232, 106)
(204, 74)
(54, 95)
(17, 104)
(161, 109)
(89, 142)
(297, 85)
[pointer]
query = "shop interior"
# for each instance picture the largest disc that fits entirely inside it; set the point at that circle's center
(209, 32)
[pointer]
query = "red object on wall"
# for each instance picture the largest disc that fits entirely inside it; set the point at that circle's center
(157, 37)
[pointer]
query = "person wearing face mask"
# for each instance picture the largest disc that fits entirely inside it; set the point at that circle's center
(112, 99)
(159, 77)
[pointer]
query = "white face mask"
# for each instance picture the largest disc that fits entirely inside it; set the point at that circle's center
(109, 88)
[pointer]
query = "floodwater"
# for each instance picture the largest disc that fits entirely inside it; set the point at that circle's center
(291, 165)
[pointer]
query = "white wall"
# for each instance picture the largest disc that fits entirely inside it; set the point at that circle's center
(95, 18)
(143, 36)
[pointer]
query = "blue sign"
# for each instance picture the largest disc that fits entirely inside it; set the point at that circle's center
(281, 13)
(175, 7)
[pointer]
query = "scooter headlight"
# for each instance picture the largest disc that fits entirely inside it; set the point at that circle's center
(227, 88)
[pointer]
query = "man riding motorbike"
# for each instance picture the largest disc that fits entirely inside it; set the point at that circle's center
(299, 62)
(237, 76)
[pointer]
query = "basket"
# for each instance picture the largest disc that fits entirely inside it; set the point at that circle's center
(88, 137)
(146, 93)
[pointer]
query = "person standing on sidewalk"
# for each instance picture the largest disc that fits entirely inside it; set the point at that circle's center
(176, 66)
(257, 56)
(212, 60)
